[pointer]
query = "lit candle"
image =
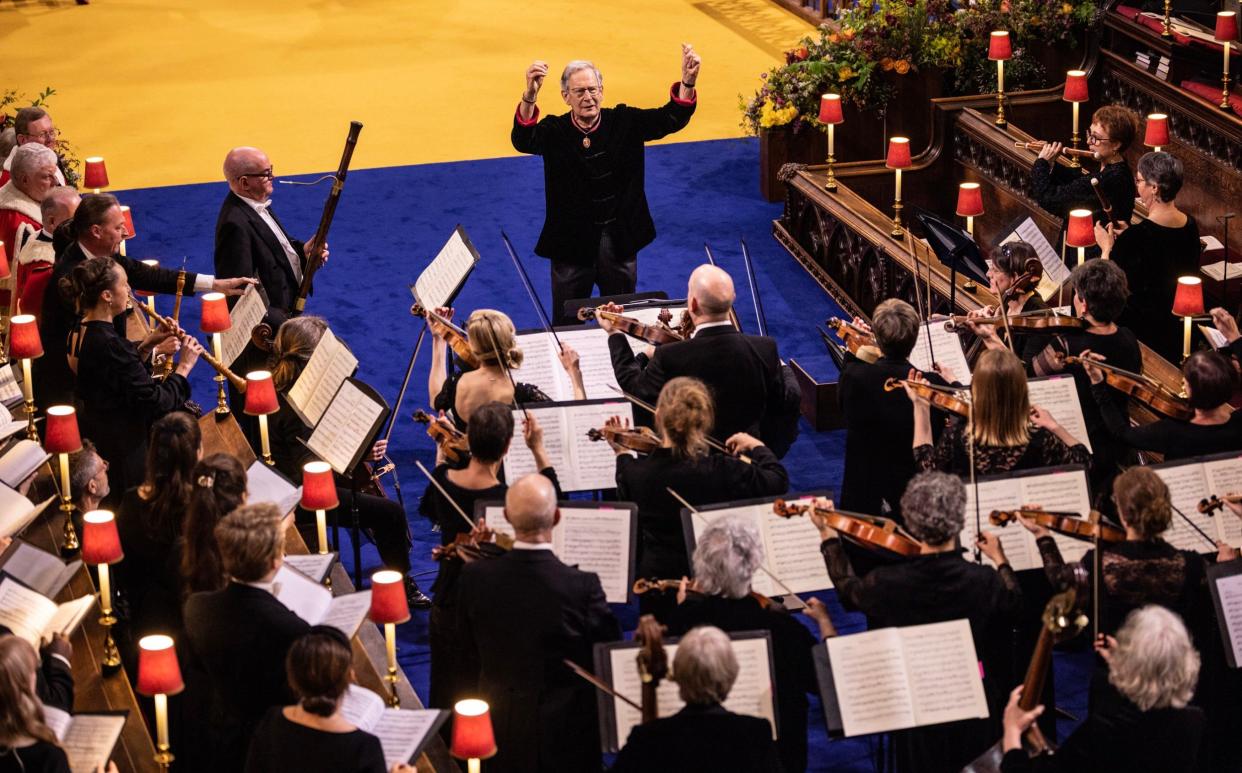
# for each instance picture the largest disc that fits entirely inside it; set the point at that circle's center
(64, 474)
(1000, 75)
(105, 590)
(321, 527)
(390, 639)
(1075, 104)
(1082, 255)
(1186, 336)
(970, 224)
(161, 720)
(27, 384)
(267, 445)
(898, 171)
(217, 347)
(831, 134)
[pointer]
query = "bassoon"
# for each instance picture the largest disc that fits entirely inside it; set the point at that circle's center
(315, 250)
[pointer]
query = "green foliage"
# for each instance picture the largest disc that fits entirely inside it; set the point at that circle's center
(12, 100)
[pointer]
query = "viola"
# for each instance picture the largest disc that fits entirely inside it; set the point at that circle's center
(1069, 524)
(1043, 320)
(652, 662)
(856, 339)
(454, 336)
(642, 586)
(869, 531)
(941, 397)
(656, 334)
(1213, 503)
(1143, 389)
(451, 441)
(640, 439)
(472, 546)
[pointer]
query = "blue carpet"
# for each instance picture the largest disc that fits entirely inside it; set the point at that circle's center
(392, 221)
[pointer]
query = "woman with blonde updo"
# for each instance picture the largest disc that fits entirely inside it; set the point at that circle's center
(493, 342)
(686, 464)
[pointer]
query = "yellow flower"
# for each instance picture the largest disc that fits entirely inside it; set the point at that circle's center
(847, 33)
(770, 115)
(845, 73)
(834, 38)
(1067, 9)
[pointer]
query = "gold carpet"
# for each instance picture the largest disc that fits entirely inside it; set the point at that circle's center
(163, 89)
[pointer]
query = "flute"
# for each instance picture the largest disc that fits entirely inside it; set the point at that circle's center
(237, 381)
(1037, 146)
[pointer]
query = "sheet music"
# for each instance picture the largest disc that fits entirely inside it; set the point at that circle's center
(8, 425)
(1187, 486)
(581, 464)
(947, 348)
(446, 272)
(303, 596)
(245, 314)
(10, 390)
(542, 367)
(1055, 270)
(361, 707)
(20, 461)
(88, 739)
(264, 484)
(751, 694)
(595, 539)
(347, 612)
(313, 565)
(650, 315)
(594, 359)
(1224, 476)
(68, 616)
(945, 683)
(790, 547)
(38, 569)
(1059, 395)
(869, 671)
(345, 426)
(330, 364)
(1215, 337)
(1217, 270)
(403, 731)
(1229, 590)
(1060, 491)
(25, 612)
(16, 511)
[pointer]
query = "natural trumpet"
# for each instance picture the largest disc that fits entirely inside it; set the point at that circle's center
(1037, 146)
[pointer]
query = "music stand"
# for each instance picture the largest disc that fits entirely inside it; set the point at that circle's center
(628, 300)
(955, 248)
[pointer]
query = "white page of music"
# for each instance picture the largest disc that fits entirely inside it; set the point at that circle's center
(945, 346)
(595, 360)
(790, 547)
(264, 484)
(88, 740)
(435, 285)
(330, 364)
(581, 464)
(541, 367)
(9, 389)
(245, 314)
(521, 462)
(594, 539)
(344, 427)
(1230, 591)
(1064, 491)
(346, 613)
(401, 731)
(650, 315)
(869, 672)
(24, 612)
(1187, 486)
(1224, 476)
(37, 568)
(16, 511)
(313, 565)
(945, 684)
(1059, 396)
(751, 695)
(303, 596)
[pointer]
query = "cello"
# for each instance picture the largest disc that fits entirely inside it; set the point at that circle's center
(652, 662)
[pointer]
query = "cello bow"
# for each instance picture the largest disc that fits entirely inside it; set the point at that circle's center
(314, 251)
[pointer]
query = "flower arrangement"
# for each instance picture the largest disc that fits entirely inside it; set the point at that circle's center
(855, 56)
(12, 100)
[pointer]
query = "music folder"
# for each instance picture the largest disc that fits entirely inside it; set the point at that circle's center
(349, 425)
(1225, 583)
(88, 738)
(36, 568)
(403, 733)
(753, 694)
(442, 279)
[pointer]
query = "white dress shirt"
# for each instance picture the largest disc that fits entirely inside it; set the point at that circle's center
(523, 545)
(705, 325)
(261, 209)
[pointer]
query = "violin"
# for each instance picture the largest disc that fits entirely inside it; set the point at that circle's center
(642, 586)
(1069, 524)
(656, 334)
(473, 546)
(869, 531)
(1213, 503)
(860, 343)
(1042, 320)
(456, 338)
(1141, 388)
(652, 662)
(640, 439)
(450, 440)
(940, 397)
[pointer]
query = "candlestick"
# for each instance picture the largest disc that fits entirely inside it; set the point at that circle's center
(1082, 255)
(831, 185)
(70, 542)
(970, 224)
(1074, 136)
(267, 445)
(111, 660)
(1186, 336)
(1224, 91)
(897, 231)
(28, 394)
(222, 401)
(1000, 93)
(1167, 29)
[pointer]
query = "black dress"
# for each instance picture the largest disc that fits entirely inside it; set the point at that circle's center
(281, 745)
(120, 401)
(1173, 438)
(703, 481)
(447, 399)
(150, 573)
(952, 453)
(936, 588)
(39, 757)
(1059, 189)
(1153, 257)
(791, 650)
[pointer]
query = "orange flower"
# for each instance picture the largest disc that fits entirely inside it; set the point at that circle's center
(886, 63)
(901, 66)
(847, 33)
(803, 53)
(834, 38)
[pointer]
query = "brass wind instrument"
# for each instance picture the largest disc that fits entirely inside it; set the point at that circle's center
(1037, 146)
(168, 363)
(237, 381)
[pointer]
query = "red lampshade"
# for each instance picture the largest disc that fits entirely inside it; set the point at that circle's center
(215, 314)
(1226, 26)
(898, 153)
(4, 262)
(969, 200)
(96, 174)
(153, 263)
(24, 341)
(999, 46)
(1189, 299)
(472, 731)
(129, 222)
(100, 542)
(260, 393)
(158, 671)
(1156, 134)
(1081, 230)
(830, 109)
(388, 602)
(318, 487)
(61, 436)
(1075, 86)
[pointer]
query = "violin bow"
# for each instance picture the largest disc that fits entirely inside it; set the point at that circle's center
(530, 291)
(1193, 525)
(737, 324)
(711, 441)
(974, 480)
(918, 297)
(695, 511)
(599, 684)
(754, 290)
(448, 497)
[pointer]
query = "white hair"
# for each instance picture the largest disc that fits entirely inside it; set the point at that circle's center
(705, 666)
(1155, 666)
(726, 557)
(576, 66)
(30, 158)
(934, 507)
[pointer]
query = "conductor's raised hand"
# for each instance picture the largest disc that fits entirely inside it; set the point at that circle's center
(234, 285)
(535, 74)
(690, 62)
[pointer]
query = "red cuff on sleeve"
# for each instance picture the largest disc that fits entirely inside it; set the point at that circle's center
(674, 91)
(534, 119)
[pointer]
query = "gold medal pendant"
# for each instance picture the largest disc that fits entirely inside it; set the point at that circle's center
(586, 142)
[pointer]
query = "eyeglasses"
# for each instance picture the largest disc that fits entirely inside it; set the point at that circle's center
(580, 93)
(1093, 137)
(266, 174)
(46, 136)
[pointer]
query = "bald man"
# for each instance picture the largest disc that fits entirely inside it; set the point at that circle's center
(742, 371)
(520, 616)
(250, 241)
(34, 261)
